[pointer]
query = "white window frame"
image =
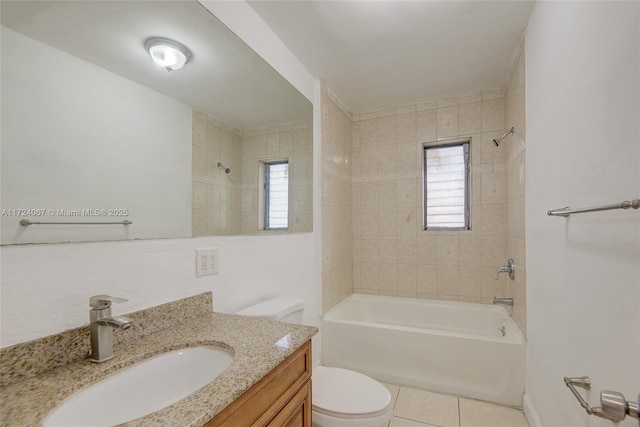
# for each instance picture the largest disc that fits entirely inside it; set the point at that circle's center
(466, 144)
(264, 220)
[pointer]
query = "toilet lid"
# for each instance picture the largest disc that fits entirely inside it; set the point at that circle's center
(274, 309)
(347, 393)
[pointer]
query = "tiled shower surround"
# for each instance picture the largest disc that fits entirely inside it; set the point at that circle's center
(292, 142)
(227, 204)
(215, 196)
(337, 259)
(391, 253)
(514, 113)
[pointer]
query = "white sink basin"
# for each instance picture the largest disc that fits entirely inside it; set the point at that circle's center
(141, 389)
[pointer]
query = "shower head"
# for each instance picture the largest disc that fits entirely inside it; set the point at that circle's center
(226, 169)
(497, 141)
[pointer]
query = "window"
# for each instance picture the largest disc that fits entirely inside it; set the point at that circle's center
(276, 195)
(446, 186)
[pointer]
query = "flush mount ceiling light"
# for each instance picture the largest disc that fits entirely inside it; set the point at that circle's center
(167, 53)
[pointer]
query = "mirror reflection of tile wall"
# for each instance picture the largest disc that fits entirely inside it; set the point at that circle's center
(227, 203)
(216, 194)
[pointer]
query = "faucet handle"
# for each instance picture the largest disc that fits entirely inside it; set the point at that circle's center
(509, 268)
(104, 301)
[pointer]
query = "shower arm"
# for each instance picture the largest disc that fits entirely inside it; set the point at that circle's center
(509, 132)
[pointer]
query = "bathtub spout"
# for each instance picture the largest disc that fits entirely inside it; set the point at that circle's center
(505, 301)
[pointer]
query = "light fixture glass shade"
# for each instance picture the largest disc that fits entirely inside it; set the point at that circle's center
(168, 54)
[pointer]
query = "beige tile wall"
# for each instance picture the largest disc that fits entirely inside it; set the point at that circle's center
(291, 142)
(515, 196)
(227, 204)
(215, 195)
(337, 260)
(392, 254)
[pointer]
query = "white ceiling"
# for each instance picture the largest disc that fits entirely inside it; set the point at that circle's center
(380, 54)
(225, 79)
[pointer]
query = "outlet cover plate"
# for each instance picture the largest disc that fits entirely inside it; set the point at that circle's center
(206, 262)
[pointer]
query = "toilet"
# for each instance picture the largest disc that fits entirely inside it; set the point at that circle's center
(340, 397)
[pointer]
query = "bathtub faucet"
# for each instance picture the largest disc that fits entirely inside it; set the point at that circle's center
(509, 268)
(505, 301)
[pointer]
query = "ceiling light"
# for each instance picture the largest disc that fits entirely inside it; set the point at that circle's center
(168, 54)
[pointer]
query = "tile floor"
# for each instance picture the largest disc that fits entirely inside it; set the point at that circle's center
(421, 408)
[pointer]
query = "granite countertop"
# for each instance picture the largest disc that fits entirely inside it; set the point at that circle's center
(258, 346)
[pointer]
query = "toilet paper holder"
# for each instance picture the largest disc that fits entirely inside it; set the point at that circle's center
(613, 405)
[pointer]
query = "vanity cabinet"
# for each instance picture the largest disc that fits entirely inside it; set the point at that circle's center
(281, 399)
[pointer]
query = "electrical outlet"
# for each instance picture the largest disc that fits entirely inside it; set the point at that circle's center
(206, 262)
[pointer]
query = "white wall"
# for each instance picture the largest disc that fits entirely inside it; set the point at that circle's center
(75, 136)
(240, 18)
(583, 149)
(46, 288)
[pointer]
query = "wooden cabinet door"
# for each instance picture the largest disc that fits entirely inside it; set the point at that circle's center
(263, 402)
(296, 413)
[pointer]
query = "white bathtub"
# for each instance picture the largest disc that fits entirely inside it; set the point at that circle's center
(445, 346)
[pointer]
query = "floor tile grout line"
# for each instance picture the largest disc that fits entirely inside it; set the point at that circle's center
(417, 422)
(395, 402)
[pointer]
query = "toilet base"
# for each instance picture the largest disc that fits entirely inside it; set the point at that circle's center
(323, 420)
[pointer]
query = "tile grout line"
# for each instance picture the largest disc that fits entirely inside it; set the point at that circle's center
(417, 422)
(395, 402)
(397, 397)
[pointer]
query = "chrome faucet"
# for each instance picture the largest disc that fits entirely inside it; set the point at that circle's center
(102, 324)
(509, 268)
(504, 301)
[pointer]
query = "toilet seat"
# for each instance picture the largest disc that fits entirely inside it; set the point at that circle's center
(346, 394)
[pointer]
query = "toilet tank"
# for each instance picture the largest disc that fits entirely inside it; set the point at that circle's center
(282, 309)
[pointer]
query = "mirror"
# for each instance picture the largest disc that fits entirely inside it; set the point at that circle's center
(97, 136)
